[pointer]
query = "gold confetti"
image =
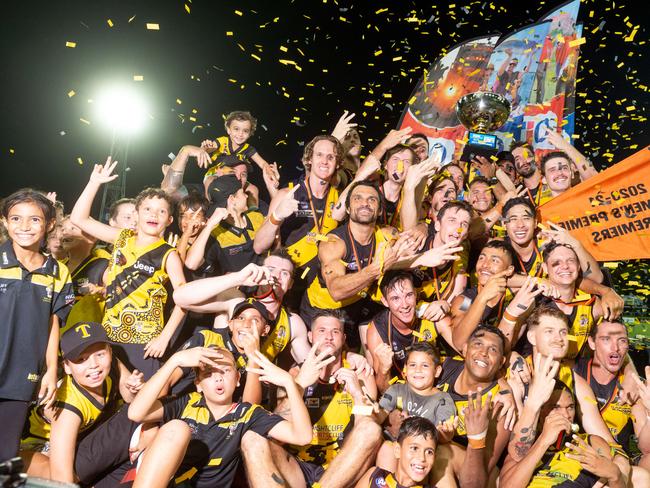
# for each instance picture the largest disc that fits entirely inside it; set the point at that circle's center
(304, 273)
(109, 22)
(80, 161)
(187, 8)
(152, 26)
(238, 13)
(87, 122)
(11, 150)
(229, 33)
(138, 78)
(70, 44)
(71, 93)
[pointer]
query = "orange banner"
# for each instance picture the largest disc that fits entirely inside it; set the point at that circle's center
(609, 213)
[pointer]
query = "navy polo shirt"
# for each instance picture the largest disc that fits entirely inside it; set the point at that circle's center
(27, 301)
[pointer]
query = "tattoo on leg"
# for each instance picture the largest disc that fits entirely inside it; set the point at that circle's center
(278, 479)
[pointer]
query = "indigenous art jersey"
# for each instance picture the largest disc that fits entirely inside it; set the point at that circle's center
(302, 231)
(279, 337)
(451, 370)
(423, 331)
(28, 299)
(380, 478)
(233, 248)
(617, 416)
(135, 292)
(213, 454)
(556, 470)
(75, 398)
(330, 411)
(225, 155)
(88, 307)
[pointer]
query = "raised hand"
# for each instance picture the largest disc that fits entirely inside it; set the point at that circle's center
(554, 425)
(314, 363)
(505, 400)
(350, 381)
(217, 217)
(422, 171)
(505, 180)
(384, 354)
(343, 125)
(254, 275)
(644, 389)
(612, 304)
(560, 235)
(495, 286)
(524, 297)
(440, 255)
(209, 145)
(271, 175)
(395, 137)
(548, 289)
(104, 173)
(514, 192)
(135, 381)
(545, 369)
(269, 372)
(436, 311)
(447, 429)
(595, 460)
(484, 166)
(197, 357)
(155, 348)
(287, 206)
(477, 414)
(51, 196)
(556, 139)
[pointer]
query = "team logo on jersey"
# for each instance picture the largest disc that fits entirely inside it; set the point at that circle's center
(144, 267)
(313, 402)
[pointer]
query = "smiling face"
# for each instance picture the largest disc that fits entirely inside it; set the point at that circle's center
(457, 175)
(520, 225)
(398, 164)
(453, 226)
(243, 324)
(153, 216)
(558, 174)
(415, 457)
(323, 160)
(550, 337)
(401, 300)
(562, 266)
(420, 371)
(27, 227)
(524, 161)
(364, 204)
(490, 262)
(610, 346)
(189, 215)
(92, 366)
(480, 197)
(420, 146)
(483, 356)
(218, 384)
(329, 332)
(239, 131)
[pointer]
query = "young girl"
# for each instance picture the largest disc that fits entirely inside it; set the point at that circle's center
(35, 297)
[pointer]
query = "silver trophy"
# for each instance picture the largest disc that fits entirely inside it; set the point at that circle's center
(483, 112)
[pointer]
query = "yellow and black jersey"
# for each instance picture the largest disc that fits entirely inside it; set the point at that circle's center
(135, 291)
(330, 411)
(557, 471)
(390, 214)
(88, 307)
(617, 416)
(539, 194)
(581, 320)
(491, 315)
(381, 478)
(221, 338)
(438, 283)
(226, 155)
(423, 331)
(451, 370)
(301, 232)
(213, 454)
(533, 265)
(233, 248)
(355, 259)
(279, 337)
(28, 299)
(565, 375)
(75, 398)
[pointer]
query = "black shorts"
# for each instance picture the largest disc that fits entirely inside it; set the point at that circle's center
(311, 472)
(132, 356)
(105, 448)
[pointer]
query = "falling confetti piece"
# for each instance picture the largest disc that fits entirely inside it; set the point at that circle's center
(71, 93)
(87, 122)
(187, 8)
(80, 161)
(70, 44)
(138, 78)
(109, 22)
(11, 151)
(151, 26)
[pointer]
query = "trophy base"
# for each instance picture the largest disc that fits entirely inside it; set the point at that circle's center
(479, 144)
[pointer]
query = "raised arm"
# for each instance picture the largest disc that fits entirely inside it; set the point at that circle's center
(281, 207)
(584, 166)
(173, 179)
(80, 215)
(196, 254)
(417, 176)
(588, 264)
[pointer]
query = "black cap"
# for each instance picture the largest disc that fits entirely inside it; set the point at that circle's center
(221, 188)
(81, 336)
(251, 303)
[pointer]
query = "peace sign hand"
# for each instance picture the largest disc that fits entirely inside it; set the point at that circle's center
(104, 174)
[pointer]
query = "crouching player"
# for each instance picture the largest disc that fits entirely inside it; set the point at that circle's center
(199, 443)
(77, 439)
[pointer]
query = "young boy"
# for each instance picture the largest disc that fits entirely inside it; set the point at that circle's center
(141, 265)
(231, 150)
(415, 452)
(91, 391)
(35, 298)
(418, 397)
(122, 214)
(199, 444)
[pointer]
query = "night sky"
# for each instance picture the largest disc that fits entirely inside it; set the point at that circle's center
(223, 55)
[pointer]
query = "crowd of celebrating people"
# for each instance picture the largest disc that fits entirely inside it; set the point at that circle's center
(382, 321)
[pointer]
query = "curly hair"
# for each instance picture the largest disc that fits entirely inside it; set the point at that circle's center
(309, 150)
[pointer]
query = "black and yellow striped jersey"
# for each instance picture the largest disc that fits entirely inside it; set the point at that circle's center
(226, 155)
(557, 471)
(136, 290)
(381, 478)
(279, 337)
(213, 454)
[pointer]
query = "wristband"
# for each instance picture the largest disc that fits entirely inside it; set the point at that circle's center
(273, 219)
(478, 437)
(509, 317)
(362, 410)
(476, 444)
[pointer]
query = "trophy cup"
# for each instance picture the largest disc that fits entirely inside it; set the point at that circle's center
(482, 113)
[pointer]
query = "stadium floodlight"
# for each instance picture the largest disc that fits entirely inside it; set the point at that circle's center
(121, 109)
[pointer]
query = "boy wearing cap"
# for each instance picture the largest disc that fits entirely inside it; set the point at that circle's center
(232, 226)
(91, 391)
(249, 322)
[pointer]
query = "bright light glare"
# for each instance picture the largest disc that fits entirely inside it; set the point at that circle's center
(121, 109)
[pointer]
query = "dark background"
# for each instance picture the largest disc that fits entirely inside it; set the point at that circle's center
(192, 58)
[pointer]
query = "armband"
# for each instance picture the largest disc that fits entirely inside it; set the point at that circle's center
(273, 219)
(362, 410)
